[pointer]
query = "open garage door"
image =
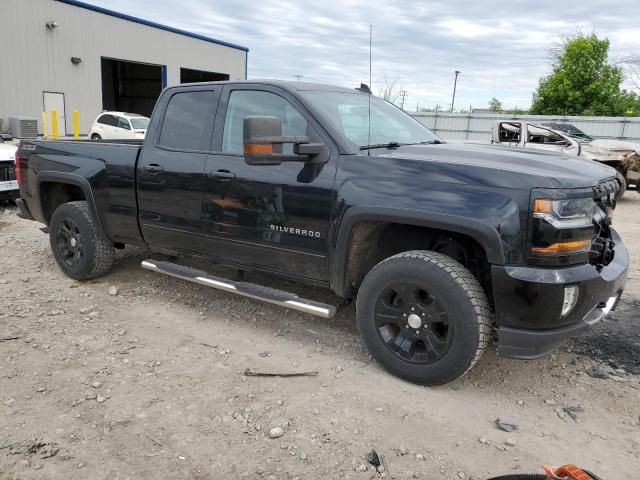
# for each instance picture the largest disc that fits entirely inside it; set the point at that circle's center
(188, 75)
(130, 86)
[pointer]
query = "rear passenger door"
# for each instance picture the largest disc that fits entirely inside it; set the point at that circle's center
(171, 166)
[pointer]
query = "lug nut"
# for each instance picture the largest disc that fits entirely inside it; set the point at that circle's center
(413, 309)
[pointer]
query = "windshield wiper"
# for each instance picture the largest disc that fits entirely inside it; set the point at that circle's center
(382, 145)
(430, 142)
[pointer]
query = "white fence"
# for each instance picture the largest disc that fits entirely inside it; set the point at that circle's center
(477, 126)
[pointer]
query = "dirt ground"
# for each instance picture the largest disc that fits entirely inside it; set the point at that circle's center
(149, 383)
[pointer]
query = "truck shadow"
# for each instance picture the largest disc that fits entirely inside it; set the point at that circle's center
(607, 342)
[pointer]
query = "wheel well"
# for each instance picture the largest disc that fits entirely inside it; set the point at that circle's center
(54, 194)
(373, 241)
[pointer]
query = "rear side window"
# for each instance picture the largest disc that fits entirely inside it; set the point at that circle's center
(107, 120)
(188, 121)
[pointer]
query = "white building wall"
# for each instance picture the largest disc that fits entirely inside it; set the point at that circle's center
(34, 59)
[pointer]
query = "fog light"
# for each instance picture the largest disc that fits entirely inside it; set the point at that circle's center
(570, 299)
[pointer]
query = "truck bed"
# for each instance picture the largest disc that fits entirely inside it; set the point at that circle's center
(104, 170)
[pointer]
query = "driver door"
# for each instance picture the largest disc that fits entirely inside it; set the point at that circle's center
(272, 217)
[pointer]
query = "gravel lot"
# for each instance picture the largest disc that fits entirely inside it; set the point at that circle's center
(141, 376)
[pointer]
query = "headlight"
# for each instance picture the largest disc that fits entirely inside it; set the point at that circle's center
(571, 213)
(562, 230)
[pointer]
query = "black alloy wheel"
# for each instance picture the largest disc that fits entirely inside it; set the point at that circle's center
(411, 322)
(70, 243)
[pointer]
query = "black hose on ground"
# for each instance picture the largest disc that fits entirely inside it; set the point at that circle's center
(534, 476)
(521, 476)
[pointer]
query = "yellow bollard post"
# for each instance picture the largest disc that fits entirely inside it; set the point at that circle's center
(54, 123)
(45, 133)
(76, 125)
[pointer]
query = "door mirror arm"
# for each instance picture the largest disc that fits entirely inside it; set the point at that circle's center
(263, 141)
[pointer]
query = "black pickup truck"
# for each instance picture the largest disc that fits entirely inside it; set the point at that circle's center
(440, 244)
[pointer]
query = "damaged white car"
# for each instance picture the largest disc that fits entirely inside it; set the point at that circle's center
(565, 138)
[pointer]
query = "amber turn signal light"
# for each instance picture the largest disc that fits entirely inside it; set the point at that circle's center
(542, 205)
(563, 247)
(258, 148)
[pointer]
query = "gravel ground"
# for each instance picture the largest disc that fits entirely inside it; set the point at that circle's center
(141, 376)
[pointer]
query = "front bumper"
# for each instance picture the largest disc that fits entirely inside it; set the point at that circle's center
(528, 303)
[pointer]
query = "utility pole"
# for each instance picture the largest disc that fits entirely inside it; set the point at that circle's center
(298, 77)
(403, 94)
(455, 83)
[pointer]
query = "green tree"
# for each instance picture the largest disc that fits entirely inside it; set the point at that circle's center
(495, 105)
(582, 82)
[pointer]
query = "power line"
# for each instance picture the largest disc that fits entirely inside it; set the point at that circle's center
(403, 94)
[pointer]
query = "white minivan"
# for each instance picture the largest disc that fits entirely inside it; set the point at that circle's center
(118, 126)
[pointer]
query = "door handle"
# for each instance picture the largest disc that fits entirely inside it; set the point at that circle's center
(154, 168)
(222, 175)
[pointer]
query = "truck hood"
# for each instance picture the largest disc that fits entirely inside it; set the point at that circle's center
(506, 167)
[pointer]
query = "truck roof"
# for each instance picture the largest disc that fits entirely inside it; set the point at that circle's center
(286, 84)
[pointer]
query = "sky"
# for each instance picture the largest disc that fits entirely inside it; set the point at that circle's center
(499, 46)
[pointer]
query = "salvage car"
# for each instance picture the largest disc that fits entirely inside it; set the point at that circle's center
(566, 138)
(119, 126)
(439, 244)
(8, 184)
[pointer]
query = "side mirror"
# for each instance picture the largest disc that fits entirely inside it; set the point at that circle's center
(262, 138)
(5, 137)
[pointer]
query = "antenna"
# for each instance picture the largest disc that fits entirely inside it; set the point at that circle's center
(369, 127)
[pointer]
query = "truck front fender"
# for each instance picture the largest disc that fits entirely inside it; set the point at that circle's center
(490, 239)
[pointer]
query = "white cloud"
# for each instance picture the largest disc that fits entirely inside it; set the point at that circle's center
(500, 46)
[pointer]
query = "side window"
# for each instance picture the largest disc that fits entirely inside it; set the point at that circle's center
(509, 132)
(105, 120)
(542, 135)
(188, 121)
(123, 123)
(244, 103)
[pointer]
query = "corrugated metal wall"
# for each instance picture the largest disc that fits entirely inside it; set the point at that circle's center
(477, 126)
(34, 59)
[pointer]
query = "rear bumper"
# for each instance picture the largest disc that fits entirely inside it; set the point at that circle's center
(23, 210)
(528, 303)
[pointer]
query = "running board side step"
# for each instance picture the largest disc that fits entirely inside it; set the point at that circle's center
(251, 290)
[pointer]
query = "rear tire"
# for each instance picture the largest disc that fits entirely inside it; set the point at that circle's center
(424, 317)
(78, 245)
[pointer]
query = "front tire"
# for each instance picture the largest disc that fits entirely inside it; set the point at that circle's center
(95, 136)
(424, 317)
(78, 245)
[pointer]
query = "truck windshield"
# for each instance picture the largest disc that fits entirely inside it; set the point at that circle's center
(349, 114)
